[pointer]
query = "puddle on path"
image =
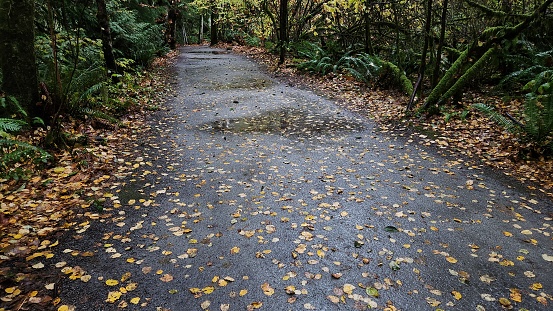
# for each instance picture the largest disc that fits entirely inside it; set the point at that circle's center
(287, 122)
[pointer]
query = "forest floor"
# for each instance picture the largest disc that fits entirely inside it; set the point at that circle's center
(77, 217)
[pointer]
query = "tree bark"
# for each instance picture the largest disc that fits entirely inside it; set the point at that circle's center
(213, 28)
(475, 55)
(172, 15)
(438, 65)
(107, 45)
(422, 66)
(17, 53)
(283, 24)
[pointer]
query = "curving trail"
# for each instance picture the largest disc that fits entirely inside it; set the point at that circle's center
(248, 194)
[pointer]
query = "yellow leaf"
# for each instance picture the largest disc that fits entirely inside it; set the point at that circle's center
(195, 290)
(507, 233)
(515, 295)
(126, 276)
(256, 304)
(111, 282)
(348, 289)
(504, 302)
(135, 300)
(243, 292)
(131, 286)
(526, 232)
(235, 250)
(320, 253)
(267, 289)
(66, 308)
(451, 259)
(208, 290)
(456, 295)
(536, 286)
(113, 296)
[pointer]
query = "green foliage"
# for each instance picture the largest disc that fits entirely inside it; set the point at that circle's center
(362, 66)
(525, 62)
(134, 38)
(13, 153)
(537, 128)
(11, 125)
(318, 60)
(497, 117)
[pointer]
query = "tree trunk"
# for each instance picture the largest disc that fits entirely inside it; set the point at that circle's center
(201, 30)
(368, 43)
(213, 28)
(422, 66)
(475, 55)
(171, 37)
(283, 24)
(438, 65)
(17, 53)
(107, 46)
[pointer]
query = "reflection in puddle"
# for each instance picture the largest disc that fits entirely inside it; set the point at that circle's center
(286, 122)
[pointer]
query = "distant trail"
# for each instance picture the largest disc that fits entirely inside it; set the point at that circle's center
(248, 194)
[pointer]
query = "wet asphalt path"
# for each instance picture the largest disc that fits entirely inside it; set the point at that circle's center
(245, 194)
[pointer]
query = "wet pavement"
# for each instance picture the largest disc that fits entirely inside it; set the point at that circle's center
(246, 193)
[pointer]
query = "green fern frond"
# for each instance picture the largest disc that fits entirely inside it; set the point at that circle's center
(497, 117)
(98, 115)
(11, 125)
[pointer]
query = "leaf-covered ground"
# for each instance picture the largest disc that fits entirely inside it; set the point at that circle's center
(458, 130)
(246, 193)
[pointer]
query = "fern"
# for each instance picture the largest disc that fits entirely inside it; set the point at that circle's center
(97, 114)
(497, 117)
(14, 152)
(11, 125)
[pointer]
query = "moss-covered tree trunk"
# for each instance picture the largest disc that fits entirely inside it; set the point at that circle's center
(17, 53)
(474, 57)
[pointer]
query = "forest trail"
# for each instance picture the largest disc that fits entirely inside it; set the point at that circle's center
(246, 193)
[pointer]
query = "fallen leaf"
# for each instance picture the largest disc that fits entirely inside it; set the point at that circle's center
(267, 289)
(348, 289)
(111, 282)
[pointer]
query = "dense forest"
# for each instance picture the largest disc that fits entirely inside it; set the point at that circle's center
(77, 60)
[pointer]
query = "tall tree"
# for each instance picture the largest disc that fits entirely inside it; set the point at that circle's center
(17, 53)
(214, 39)
(172, 15)
(283, 33)
(107, 46)
(422, 66)
(438, 64)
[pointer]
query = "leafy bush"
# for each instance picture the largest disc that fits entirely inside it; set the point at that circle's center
(134, 39)
(362, 66)
(537, 127)
(524, 62)
(318, 60)
(14, 152)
